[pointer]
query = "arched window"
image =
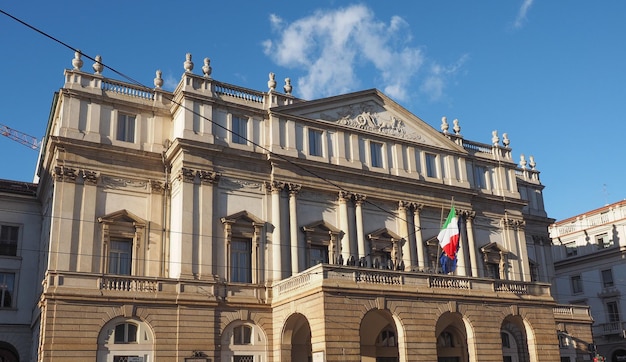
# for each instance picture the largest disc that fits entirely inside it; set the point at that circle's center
(125, 339)
(243, 341)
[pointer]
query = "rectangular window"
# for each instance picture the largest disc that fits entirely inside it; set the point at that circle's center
(431, 165)
(120, 257)
(241, 261)
(240, 130)
(577, 284)
(7, 285)
(8, 240)
(480, 175)
(612, 311)
(126, 128)
(607, 278)
(315, 142)
(318, 254)
(376, 152)
(603, 241)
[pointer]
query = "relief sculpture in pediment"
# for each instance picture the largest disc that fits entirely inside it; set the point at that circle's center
(364, 116)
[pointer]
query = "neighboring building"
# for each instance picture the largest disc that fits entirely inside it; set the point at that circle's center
(589, 252)
(219, 223)
(20, 233)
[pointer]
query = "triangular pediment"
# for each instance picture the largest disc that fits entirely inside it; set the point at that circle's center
(384, 234)
(122, 216)
(321, 227)
(243, 217)
(493, 247)
(370, 111)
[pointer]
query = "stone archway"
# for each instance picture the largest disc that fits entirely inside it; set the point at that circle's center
(451, 338)
(296, 339)
(379, 337)
(514, 340)
(122, 338)
(8, 353)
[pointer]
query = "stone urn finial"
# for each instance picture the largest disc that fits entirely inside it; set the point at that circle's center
(444, 125)
(456, 127)
(271, 84)
(77, 63)
(505, 140)
(206, 68)
(188, 63)
(532, 163)
(522, 161)
(158, 80)
(97, 66)
(287, 86)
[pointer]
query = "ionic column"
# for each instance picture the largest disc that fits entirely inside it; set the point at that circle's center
(275, 188)
(419, 242)
(344, 225)
(293, 228)
(363, 250)
(404, 232)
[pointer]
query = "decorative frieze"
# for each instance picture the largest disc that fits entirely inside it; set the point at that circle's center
(122, 183)
(365, 116)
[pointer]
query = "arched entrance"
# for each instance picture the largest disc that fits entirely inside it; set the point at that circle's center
(121, 339)
(8, 353)
(296, 339)
(379, 337)
(514, 340)
(619, 356)
(243, 341)
(451, 338)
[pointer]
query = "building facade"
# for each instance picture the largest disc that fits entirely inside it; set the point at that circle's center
(589, 252)
(20, 233)
(220, 223)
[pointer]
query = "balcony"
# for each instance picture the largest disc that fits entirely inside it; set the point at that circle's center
(321, 276)
(611, 328)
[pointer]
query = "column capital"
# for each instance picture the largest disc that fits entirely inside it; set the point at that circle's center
(343, 195)
(157, 187)
(186, 175)
(90, 177)
(208, 177)
(293, 188)
(404, 204)
(358, 199)
(275, 186)
(65, 174)
(416, 207)
(466, 213)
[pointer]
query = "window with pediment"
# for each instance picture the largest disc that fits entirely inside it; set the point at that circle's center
(243, 233)
(322, 243)
(386, 249)
(495, 259)
(122, 236)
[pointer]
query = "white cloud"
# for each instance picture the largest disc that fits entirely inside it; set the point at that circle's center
(332, 46)
(439, 76)
(521, 15)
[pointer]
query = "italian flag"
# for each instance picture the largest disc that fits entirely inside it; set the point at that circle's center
(449, 235)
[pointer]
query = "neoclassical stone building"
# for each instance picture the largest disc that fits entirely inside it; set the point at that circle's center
(219, 223)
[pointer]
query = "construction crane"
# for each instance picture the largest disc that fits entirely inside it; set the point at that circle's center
(27, 140)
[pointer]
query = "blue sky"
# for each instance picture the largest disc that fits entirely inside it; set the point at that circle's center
(548, 73)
